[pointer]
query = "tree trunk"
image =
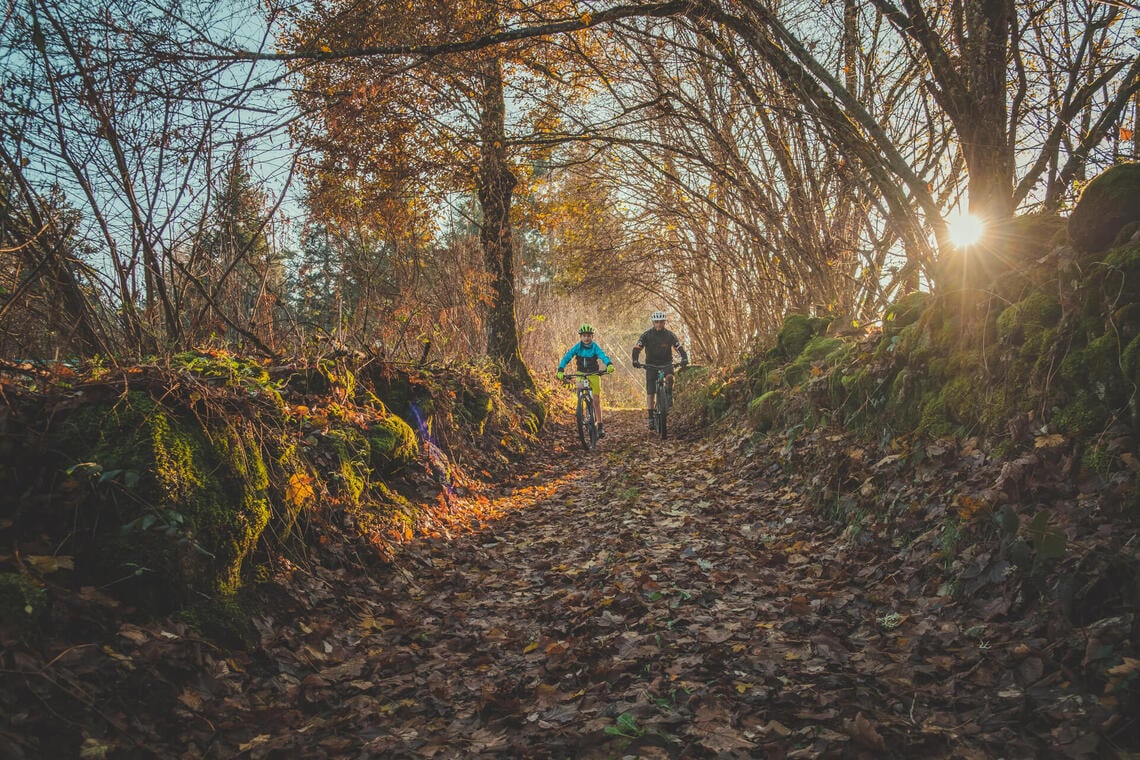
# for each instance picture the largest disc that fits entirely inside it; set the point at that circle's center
(968, 79)
(980, 117)
(1136, 124)
(496, 184)
(851, 46)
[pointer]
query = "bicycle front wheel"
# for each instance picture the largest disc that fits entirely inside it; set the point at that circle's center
(662, 413)
(584, 417)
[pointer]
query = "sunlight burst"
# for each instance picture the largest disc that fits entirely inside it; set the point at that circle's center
(964, 229)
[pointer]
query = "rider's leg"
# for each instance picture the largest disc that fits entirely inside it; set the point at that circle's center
(596, 392)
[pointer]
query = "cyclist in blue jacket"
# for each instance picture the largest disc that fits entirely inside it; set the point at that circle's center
(589, 357)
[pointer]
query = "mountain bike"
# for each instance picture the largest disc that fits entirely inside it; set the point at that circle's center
(584, 412)
(663, 393)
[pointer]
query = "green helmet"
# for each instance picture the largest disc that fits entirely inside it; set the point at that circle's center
(586, 329)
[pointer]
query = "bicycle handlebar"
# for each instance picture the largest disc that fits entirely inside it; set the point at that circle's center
(583, 374)
(674, 365)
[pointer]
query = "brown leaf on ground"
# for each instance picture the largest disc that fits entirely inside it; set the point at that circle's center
(862, 731)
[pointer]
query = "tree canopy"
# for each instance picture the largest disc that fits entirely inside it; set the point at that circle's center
(734, 161)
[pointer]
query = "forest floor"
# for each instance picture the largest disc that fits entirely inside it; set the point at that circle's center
(650, 599)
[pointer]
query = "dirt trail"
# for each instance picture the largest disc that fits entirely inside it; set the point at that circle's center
(649, 599)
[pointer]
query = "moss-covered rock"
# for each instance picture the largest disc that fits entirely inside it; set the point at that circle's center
(857, 382)
(478, 407)
(1028, 317)
(1099, 368)
(815, 352)
(351, 476)
(392, 444)
(904, 312)
(764, 410)
(1118, 282)
(233, 517)
(1130, 360)
(794, 335)
(175, 506)
(933, 418)
(1107, 204)
(1085, 415)
(1128, 235)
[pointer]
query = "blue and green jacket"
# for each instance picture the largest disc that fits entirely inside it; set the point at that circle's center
(588, 357)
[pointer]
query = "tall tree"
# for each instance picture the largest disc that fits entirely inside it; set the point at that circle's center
(317, 284)
(402, 130)
(496, 183)
(968, 62)
(979, 67)
(234, 274)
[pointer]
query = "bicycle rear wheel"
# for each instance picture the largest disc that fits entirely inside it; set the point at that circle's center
(585, 417)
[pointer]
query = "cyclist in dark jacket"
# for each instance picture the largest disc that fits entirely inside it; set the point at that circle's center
(659, 344)
(589, 357)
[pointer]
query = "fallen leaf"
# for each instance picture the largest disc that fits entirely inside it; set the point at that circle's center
(864, 733)
(47, 564)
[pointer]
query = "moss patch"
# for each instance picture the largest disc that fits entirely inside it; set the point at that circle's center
(811, 359)
(904, 312)
(794, 335)
(23, 604)
(1028, 317)
(167, 483)
(392, 444)
(1056, 341)
(763, 411)
(1107, 204)
(351, 474)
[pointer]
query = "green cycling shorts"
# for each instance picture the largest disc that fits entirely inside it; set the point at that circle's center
(595, 384)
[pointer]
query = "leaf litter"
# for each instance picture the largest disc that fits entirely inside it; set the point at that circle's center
(678, 599)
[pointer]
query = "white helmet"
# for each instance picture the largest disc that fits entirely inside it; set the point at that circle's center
(658, 316)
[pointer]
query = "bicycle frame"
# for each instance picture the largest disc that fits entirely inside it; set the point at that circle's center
(584, 409)
(663, 397)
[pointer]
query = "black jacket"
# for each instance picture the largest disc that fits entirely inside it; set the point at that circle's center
(659, 345)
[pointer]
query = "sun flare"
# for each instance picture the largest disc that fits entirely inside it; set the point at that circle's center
(964, 229)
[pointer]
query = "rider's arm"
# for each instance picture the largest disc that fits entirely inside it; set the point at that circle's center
(602, 355)
(680, 349)
(637, 350)
(569, 355)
